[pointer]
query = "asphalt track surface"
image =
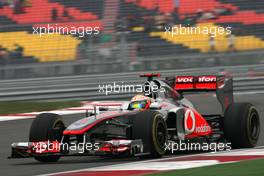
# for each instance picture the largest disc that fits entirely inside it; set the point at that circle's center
(18, 130)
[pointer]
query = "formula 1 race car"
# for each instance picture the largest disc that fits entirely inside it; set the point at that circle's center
(147, 124)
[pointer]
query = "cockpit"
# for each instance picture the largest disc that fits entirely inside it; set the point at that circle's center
(159, 89)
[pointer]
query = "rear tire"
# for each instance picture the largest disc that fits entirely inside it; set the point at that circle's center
(46, 126)
(242, 125)
(151, 128)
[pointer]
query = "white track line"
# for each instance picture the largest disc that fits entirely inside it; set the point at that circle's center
(140, 163)
(159, 166)
(249, 92)
(87, 106)
(23, 116)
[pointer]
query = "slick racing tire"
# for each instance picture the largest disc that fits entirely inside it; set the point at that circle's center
(46, 126)
(241, 125)
(150, 127)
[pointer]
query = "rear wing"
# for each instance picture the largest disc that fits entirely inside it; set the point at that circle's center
(222, 85)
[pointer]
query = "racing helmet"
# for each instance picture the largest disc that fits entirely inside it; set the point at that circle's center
(140, 102)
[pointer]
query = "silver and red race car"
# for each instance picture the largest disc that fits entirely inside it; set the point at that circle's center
(146, 125)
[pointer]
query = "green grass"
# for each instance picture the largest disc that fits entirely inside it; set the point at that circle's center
(244, 168)
(13, 107)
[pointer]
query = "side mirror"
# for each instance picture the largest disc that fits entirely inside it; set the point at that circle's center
(154, 106)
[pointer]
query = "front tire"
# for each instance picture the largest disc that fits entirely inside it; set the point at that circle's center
(242, 125)
(151, 128)
(46, 126)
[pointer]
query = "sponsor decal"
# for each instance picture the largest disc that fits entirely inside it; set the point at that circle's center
(202, 129)
(207, 79)
(184, 79)
(190, 124)
(200, 79)
(189, 121)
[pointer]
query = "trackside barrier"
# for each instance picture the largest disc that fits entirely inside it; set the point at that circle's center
(86, 87)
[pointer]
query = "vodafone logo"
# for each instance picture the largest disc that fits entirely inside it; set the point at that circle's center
(190, 79)
(202, 129)
(207, 79)
(189, 121)
(184, 79)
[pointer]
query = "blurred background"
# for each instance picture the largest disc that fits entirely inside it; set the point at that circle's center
(132, 36)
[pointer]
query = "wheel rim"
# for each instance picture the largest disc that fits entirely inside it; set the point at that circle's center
(59, 127)
(161, 134)
(254, 126)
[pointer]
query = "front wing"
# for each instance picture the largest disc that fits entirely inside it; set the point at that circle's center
(52, 148)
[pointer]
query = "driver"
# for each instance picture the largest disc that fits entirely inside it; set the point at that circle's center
(140, 102)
